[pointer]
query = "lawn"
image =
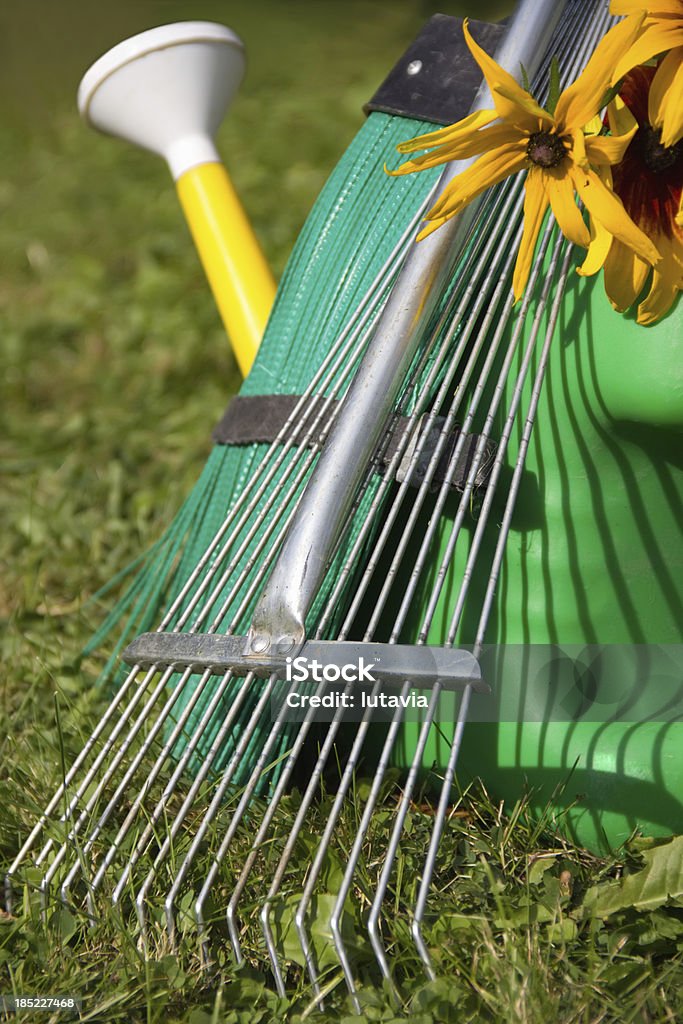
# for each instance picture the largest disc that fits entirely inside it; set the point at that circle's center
(114, 369)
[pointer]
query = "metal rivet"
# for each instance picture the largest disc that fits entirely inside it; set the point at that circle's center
(260, 644)
(414, 67)
(286, 643)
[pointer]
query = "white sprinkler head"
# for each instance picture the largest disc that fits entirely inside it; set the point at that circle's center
(166, 90)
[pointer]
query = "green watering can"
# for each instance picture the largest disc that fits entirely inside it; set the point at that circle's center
(594, 557)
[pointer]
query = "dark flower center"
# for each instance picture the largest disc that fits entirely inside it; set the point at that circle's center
(649, 178)
(656, 156)
(546, 149)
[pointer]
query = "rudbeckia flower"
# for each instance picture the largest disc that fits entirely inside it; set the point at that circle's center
(559, 157)
(649, 182)
(661, 31)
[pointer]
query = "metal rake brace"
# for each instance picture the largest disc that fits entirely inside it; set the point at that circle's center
(471, 355)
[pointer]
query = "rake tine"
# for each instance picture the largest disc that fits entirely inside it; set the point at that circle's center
(94, 798)
(211, 812)
(82, 789)
(198, 780)
(356, 850)
(373, 922)
(63, 788)
(310, 789)
(169, 789)
(440, 816)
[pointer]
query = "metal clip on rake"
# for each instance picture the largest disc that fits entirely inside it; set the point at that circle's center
(278, 628)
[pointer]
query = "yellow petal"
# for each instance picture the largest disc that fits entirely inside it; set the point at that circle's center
(626, 7)
(658, 37)
(609, 149)
(468, 125)
(560, 192)
(420, 163)
(530, 118)
(583, 98)
(649, 6)
(598, 250)
(513, 103)
(620, 118)
(440, 155)
(502, 135)
(608, 210)
(480, 142)
(594, 126)
(488, 170)
(645, 6)
(432, 225)
(578, 148)
(665, 101)
(672, 255)
(659, 301)
(535, 205)
(625, 276)
(463, 147)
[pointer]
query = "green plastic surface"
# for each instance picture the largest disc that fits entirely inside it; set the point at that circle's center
(594, 557)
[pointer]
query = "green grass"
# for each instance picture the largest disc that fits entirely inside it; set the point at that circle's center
(114, 368)
(506, 929)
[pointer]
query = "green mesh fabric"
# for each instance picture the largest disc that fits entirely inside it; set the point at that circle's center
(349, 234)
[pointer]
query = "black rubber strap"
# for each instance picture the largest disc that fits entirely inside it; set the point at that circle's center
(437, 77)
(259, 419)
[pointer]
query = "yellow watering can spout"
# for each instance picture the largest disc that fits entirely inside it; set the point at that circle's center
(240, 278)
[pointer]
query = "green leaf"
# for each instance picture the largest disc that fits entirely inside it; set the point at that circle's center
(199, 1017)
(171, 969)
(447, 923)
(538, 868)
(525, 78)
(624, 977)
(522, 917)
(554, 86)
(318, 928)
(64, 923)
(562, 931)
(440, 998)
(611, 94)
(660, 880)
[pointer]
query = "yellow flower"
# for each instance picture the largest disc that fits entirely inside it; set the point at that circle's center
(561, 160)
(649, 182)
(661, 31)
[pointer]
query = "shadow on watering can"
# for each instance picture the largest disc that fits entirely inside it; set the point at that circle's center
(594, 558)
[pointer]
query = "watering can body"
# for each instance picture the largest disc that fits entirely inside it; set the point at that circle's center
(594, 559)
